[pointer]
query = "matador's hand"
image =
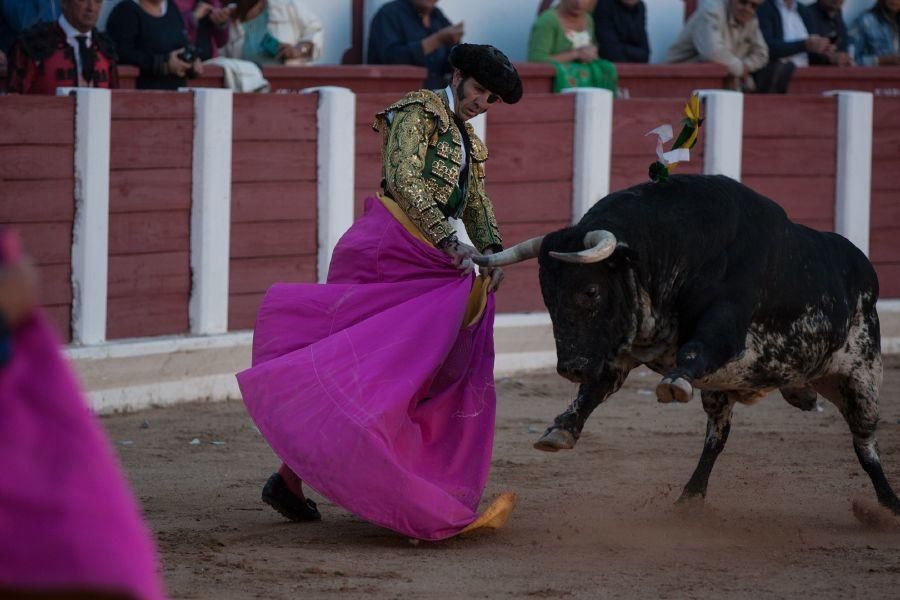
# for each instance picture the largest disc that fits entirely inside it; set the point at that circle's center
(460, 253)
(495, 274)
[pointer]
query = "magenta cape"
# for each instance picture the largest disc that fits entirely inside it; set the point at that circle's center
(67, 518)
(369, 388)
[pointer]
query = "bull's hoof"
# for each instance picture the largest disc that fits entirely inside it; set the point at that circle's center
(671, 389)
(556, 439)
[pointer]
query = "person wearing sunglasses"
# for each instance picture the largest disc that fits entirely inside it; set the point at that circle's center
(725, 32)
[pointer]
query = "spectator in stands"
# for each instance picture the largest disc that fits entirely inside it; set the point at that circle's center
(621, 27)
(206, 23)
(150, 35)
(15, 17)
(784, 30)
(414, 32)
(18, 15)
(876, 35)
(726, 32)
(67, 52)
(825, 18)
(274, 32)
(564, 36)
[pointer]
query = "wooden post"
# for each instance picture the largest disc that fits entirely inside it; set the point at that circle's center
(354, 54)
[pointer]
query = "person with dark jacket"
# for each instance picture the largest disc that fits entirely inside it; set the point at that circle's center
(784, 29)
(825, 18)
(621, 30)
(789, 42)
(150, 35)
(66, 52)
(414, 32)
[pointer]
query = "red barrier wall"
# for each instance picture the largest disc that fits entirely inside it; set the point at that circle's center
(637, 80)
(884, 241)
(633, 151)
(273, 198)
(789, 154)
(529, 181)
(361, 79)
(817, 80)
(151, 152)
(37, 145)
(213, 77)
(368, 145)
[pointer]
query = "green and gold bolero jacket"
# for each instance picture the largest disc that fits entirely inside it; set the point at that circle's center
(422, 157)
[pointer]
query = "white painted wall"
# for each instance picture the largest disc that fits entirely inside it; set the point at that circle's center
(503, 23)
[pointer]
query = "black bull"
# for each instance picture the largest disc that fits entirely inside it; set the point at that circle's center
(711, 285)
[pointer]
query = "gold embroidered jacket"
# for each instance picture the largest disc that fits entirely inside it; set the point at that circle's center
(422, 157)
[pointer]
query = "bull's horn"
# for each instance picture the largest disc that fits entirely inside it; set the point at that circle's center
(599, 244)
(518, 253)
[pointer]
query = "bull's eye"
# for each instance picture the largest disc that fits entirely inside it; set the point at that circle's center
(592, 291)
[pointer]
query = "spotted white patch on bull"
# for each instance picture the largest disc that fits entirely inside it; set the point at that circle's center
(868, 450)
(776, 358)
(858, 352)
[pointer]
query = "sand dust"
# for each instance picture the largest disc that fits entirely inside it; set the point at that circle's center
(595, 522)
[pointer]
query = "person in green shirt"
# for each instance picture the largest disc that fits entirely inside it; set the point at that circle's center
(564, 36)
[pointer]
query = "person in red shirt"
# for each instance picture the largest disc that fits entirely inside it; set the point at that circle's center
(68, 52)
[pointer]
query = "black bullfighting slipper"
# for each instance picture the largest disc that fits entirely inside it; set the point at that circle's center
(277, 495)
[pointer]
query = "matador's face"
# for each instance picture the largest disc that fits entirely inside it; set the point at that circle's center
(472, 98)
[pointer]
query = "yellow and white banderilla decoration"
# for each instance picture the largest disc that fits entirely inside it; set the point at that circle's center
(681, 149)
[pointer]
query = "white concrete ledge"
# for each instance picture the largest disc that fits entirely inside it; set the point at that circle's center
(159, 345)
(152, 395)
(137, 374)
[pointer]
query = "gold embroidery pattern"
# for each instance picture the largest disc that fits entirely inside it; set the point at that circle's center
(404, 163)
(439, 191)
(443, 149)
(419, 119)
(479, 150)
(478, 214)
(445, 172)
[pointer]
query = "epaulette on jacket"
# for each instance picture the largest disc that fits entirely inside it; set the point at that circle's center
(430, 101)
(40, 42)
(479, 150)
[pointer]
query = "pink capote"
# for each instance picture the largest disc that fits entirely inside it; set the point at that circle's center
(67, 518)
(368, 388)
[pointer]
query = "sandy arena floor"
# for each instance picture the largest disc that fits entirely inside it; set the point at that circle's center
(595, 522)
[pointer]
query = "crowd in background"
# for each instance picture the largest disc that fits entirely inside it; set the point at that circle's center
(45, 44)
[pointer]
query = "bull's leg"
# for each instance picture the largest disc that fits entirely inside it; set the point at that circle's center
(718, 407)
(856, 396)
(566, 428)
(719, 336)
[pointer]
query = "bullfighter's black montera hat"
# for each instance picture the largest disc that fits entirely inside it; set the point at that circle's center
(490, 68)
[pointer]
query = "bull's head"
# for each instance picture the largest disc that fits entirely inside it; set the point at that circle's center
(588, 290)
